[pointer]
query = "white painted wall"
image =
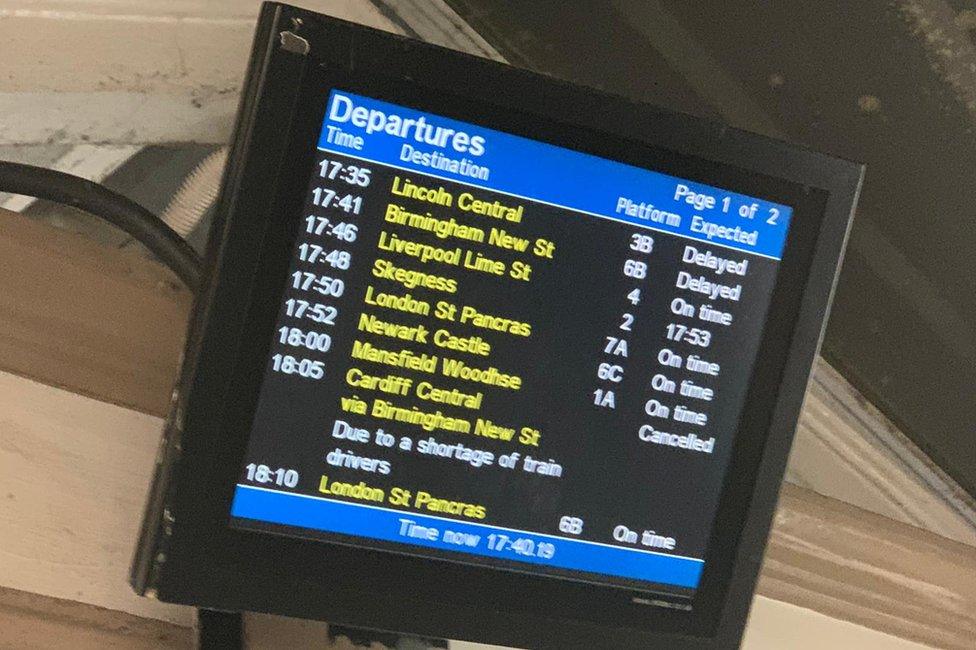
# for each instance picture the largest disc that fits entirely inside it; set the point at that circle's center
(130, 71)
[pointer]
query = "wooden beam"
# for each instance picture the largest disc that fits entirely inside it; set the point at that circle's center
(98, 321)
(845, 448)
(70, 535)
(777, 625)
(32, 621)
(854, 565)
(74, 475)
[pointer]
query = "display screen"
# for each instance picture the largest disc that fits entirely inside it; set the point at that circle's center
(494, 350)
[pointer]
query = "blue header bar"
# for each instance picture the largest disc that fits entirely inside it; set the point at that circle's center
(290, 509)
(408, 139)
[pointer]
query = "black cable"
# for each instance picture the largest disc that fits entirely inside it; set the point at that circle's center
(125, 214)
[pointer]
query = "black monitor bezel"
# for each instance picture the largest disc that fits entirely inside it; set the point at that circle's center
(207, 563)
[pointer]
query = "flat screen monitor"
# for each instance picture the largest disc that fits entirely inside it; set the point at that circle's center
(491, 343)
(493, 349)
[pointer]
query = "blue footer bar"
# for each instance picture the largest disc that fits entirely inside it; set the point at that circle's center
(448, 535)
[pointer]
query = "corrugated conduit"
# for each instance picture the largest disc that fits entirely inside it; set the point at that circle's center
(196, 195)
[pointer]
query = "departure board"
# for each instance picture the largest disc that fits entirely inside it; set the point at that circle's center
(494, 350)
